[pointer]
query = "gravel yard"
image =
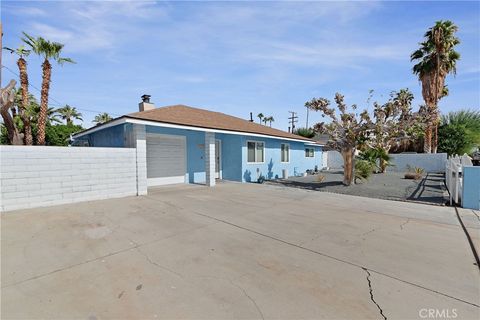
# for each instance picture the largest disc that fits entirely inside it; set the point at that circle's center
(391, 185)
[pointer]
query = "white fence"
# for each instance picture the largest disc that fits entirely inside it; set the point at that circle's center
(454, 177)
(34, 176)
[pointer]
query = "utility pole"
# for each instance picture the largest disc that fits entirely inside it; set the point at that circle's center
(293, 119)
(306, 125)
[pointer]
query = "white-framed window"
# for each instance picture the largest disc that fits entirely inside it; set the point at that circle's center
(255, 152)
(285, 152)
(309, 152)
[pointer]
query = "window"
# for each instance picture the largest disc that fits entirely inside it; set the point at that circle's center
(309, 152)
(285, 152)
(255, 151)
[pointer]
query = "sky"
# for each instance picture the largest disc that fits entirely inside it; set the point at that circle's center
(238, 57)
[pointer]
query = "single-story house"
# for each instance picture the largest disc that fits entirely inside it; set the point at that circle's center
(190, 145)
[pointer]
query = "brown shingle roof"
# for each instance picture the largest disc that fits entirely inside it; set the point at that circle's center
(185, 115)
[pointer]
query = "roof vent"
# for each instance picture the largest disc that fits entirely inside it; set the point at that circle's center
(145, 104)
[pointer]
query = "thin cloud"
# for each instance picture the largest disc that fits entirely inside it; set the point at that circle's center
(90, 26)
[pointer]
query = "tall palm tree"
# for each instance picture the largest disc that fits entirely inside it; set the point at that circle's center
(436, 59)
(47, 50)
(69, 114)
(34, 112)
(102, 118)
(270, 120)
(21, 52)
(260, 117)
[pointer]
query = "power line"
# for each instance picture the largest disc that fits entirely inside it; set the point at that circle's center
(58, 103)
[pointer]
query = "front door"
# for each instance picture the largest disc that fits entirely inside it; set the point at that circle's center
(218, 162)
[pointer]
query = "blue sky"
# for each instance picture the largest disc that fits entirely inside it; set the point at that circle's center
(239, 57)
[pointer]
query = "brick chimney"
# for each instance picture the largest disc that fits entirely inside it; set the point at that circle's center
(145, 104)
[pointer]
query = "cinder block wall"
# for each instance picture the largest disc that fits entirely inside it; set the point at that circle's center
(430, 162)
(35, 176)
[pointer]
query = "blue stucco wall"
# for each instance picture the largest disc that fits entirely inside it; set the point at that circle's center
(234, 153)
(109, 137)
(231, 156)
(272, 167)
(471, 188)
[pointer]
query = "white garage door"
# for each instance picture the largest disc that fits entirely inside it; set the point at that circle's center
(165, 159)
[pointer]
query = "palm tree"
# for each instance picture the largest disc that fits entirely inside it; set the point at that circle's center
(33, 112)
(270, 120)
(260, 117)
(460, 132)
(102, 118)
(48, 50)
(21, 52)
(68, 114)
(436, 59)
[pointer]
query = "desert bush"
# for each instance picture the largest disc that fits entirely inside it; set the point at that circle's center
(363, 169)
(415, 173)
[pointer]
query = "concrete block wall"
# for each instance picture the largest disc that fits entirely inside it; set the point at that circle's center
(35, 176)
(334, 159)
(431, 162)
(210, 158)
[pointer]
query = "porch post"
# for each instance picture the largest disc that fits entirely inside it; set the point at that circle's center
(139, 138)
(210, 159)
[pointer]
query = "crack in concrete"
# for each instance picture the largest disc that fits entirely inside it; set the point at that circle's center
(236, 285)
(403, 224)
(371, 293)
(158, 265)
(249, 297)
(476, 215)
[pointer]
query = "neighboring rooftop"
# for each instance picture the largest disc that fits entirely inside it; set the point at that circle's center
(189, 116)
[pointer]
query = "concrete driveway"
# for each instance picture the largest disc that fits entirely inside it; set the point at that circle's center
(238, 251)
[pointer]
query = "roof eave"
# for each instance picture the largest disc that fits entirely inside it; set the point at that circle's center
(138, 120)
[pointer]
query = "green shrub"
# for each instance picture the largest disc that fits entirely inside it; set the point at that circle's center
(363, 169)
(305, 132)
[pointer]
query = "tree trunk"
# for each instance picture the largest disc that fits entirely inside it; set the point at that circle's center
(27, 128)
(427, 140)
(348, 166)
(7, 97)
(435, 138)
(42, 117)
(383, 165)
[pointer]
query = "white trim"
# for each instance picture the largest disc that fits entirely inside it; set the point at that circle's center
(264, 147)
(309, 153)
(153, 182)
(288, 154)
(179, 126)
